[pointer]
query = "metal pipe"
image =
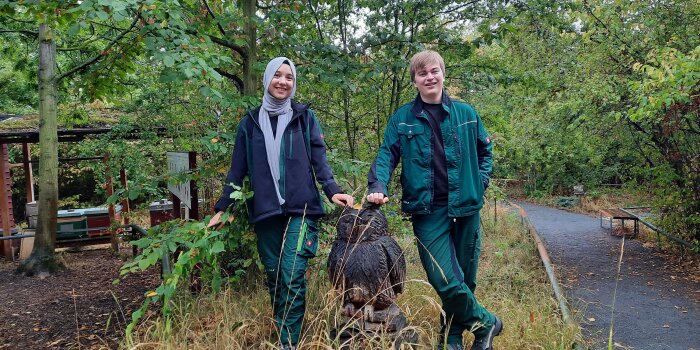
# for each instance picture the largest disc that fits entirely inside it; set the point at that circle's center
(136, 228)
(544, 256)
(135, 232)
(16, 237)
(658, 230)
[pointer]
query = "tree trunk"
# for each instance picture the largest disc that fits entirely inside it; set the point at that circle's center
(347, 116)
(249, 80)
(42, 257)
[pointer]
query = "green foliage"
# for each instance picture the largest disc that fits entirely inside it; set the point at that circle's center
(567, 202)
(668, 104)
(594, 92)
(201, 256)
(575, 92)
(206, 257)
(18, 90)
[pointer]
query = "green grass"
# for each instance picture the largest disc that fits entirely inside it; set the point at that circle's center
(512, 284)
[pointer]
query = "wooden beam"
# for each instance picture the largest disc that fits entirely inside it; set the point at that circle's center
(28, 176)
(72, 135)
(109, 189)
(5, 207)
(194, 196)
(60, 160)
(125, 201)
(176, 206)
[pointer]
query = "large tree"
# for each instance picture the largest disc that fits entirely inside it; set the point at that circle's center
(85, 54)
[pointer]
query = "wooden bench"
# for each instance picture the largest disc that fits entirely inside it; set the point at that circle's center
(617, 214)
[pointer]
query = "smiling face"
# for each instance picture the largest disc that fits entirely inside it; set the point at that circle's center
(429, 81)
(282, 83)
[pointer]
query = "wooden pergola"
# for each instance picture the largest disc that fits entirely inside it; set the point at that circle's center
(25, 137)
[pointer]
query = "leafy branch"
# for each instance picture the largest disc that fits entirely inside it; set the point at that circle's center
(100, 55)
(201, 256)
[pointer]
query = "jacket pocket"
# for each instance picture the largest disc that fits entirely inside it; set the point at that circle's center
(412, 140)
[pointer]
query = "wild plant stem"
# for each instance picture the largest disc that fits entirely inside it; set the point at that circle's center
(617, 280)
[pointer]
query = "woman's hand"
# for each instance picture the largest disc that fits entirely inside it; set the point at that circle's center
(343, 199)
(377, 198)
(216, 220)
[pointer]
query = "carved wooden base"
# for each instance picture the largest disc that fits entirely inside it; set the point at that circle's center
(369, 328)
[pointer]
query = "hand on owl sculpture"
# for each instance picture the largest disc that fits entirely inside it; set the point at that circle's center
(365, 263)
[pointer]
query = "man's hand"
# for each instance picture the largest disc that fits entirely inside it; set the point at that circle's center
(377, 198)
(216, 220)
(343, 199)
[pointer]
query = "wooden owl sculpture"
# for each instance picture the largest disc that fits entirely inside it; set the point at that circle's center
(365, 263)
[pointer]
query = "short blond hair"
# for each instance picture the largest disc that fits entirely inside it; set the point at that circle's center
(424, 58)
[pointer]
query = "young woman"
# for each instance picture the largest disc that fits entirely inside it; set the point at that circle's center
(280, 148)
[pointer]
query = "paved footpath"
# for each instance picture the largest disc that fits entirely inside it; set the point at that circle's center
(655, 307)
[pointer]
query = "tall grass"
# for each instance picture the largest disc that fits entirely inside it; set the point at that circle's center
(511, 283)
(617, 281)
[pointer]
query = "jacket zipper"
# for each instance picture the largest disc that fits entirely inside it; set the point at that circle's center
(294, 116)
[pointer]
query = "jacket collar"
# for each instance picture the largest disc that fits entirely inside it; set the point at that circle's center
(418, 103)
(297, 110)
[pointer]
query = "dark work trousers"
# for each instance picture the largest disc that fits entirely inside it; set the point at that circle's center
(449, 249)
(285, 243)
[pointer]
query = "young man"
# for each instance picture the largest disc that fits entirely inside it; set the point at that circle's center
(446, 162)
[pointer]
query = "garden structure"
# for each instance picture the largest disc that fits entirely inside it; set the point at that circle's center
(75, 226)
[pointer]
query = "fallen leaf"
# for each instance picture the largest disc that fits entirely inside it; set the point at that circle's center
(56, 342)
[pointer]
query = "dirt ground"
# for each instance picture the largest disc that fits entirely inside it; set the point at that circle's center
(78, 308)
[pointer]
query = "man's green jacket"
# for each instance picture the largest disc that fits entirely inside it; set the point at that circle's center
(467, 151)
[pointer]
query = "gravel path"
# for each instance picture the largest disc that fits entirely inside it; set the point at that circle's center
(657, 307)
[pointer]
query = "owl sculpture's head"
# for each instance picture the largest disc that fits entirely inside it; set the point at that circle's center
(346, 222)
(367, 224)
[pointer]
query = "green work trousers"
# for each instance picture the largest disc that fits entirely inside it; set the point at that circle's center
(285, 243)
(449, 249)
